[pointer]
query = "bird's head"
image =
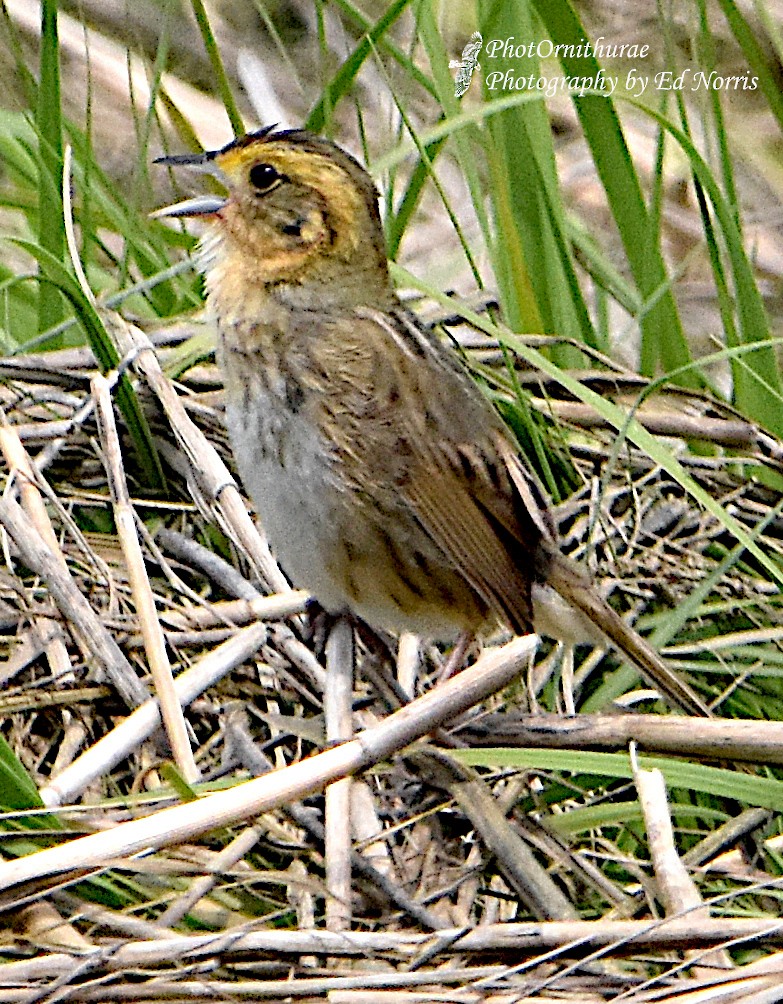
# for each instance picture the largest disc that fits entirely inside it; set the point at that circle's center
(300, 212)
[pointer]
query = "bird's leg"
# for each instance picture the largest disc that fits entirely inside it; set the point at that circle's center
(408, 662)
(457, 656)
(318, 627)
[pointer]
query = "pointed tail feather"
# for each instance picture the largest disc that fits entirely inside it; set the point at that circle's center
(570, 582)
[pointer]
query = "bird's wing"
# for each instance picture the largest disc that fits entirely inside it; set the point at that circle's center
(467, 533)
(429, 446)
(435, 435)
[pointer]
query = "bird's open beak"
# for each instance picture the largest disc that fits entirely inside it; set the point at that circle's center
(201, 205)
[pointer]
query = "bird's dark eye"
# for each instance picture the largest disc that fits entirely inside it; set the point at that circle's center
(264, 177)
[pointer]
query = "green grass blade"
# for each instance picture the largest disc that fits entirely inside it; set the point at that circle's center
(758, 64)
(142, 181)
(397, 222)
(725, 305)
(661, 325)
(757, 385)
(762, 791)
(144, 241)
(221, 78)
(17, 49)
(17, 789)
(106, 355)
(464, 143)
(343, 80)
(51, 232)
(708, 60)
(532, 256)
(379, 39)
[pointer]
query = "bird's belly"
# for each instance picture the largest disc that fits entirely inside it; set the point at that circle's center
(347, 552)
(285, 469)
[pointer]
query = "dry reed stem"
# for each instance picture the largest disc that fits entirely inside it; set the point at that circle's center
(729, 739)
(229, 612)
(730, 432)
(303, 990)
(389, 891)
(42, 924)
(74, 735)
(493, 671)
(138, 726)
(11, 704)
(675, 886)
(529, 880)
(560, 938)
(226, 859)
(408, 663)
(338, 716)
(439, 997)
(124, 924)
(727, 835)
(151, 631)
(367, 829)
(207, 467)
(20, 467)
(88, 630)
(217, 569)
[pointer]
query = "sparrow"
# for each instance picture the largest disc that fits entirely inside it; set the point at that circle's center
(386, 481)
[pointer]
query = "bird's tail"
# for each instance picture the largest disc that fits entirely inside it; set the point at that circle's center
(572, 584)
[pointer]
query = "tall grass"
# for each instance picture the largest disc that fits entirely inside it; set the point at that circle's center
(550, 267)
(51, 231)
(506, 152)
